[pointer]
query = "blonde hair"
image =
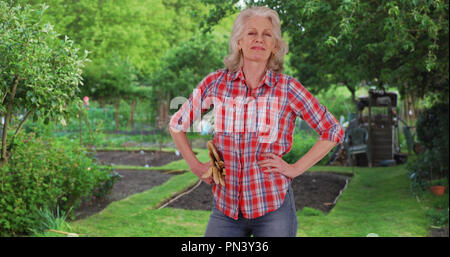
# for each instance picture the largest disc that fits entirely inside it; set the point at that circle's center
(234, 60)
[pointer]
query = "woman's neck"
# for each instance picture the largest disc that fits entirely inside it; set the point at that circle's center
(253, 73)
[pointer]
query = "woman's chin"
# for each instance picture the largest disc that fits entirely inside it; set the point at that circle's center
(257, 58)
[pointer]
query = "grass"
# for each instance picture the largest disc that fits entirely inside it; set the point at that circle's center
(377, 200)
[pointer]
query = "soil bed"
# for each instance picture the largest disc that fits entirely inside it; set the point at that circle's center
(131, 182)
(439, 232)
(137, 158)
(316, 190)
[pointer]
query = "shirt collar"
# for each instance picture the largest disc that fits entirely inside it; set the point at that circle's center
(270, 78)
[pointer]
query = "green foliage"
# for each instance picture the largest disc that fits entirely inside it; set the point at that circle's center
(47, 67)
(338, 101)
(419, 170)
(216, 14)
(438, 217)
(40, 72)
(303, 141)
(433, 132)
(433, 127)
(46, 173)
(109, 79)
(185, 65)
(49, 219)
(140, 30)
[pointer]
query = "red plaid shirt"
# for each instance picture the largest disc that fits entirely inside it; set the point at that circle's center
(250, 122)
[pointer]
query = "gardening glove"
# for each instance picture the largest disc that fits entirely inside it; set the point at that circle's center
(217, 170)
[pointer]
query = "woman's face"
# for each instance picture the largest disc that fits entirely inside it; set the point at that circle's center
(258, 41)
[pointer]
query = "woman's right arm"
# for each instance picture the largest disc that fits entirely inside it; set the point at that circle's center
(182, 120)
(185, 149)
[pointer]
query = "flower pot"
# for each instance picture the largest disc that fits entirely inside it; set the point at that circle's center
(437, 190)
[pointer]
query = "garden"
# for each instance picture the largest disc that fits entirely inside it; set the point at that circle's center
(86, 96)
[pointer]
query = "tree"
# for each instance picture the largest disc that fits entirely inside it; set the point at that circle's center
(113, 78)
(40, 71)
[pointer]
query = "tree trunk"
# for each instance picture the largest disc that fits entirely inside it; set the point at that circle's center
(353, 92)
(102, 104)
(86, 121)
(410, 112)
(117, 113)
(163, 114)
(131, 119)
(80, 128)
(4, 156)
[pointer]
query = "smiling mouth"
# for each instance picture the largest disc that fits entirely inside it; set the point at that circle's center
(258, 48)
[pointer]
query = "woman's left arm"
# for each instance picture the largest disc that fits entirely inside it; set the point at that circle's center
(307, 107)
(314, 155)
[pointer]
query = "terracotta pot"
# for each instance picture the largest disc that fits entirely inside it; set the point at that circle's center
(437, 190)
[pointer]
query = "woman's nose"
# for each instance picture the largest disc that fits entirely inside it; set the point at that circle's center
(259, 38)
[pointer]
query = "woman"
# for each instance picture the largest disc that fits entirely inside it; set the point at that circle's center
(255, 109)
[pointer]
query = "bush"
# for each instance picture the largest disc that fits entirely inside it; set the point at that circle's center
(438, 217)
(419, 171)
(433, 132)
(46, 173)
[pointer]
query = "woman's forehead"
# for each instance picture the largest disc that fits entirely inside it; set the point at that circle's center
(258, 22)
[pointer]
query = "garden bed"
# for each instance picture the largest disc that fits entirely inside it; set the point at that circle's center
(131, 182)
(317, 190)
(143, 158)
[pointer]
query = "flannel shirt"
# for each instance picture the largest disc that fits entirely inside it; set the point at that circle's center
(249, 122)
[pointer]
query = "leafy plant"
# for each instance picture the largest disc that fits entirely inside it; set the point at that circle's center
(40, 72)
(438, 217)
(47, 173)
(49, 219)
(433, 133)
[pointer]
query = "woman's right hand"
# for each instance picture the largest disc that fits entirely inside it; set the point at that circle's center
(200, 168)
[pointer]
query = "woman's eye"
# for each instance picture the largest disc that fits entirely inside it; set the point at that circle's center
(268, 35)
(251, 33)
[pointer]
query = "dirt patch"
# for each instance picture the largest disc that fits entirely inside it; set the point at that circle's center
(137, 158)
(316, 190)
(131, 182)
(439, 232)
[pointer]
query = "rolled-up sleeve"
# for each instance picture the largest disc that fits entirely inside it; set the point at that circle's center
(191, 110)
(308, 108)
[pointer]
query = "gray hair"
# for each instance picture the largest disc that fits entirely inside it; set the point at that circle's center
(234, 60)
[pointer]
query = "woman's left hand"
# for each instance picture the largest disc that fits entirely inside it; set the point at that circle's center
(277, 164)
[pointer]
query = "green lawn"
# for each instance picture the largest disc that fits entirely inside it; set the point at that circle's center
(377, 200)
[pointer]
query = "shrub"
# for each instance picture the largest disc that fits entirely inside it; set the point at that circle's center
(40, 70)
(419, 171)
(433, 132)
(438, 217)
(46, 173)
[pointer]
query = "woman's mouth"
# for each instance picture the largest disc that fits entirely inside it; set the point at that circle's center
(258, 48)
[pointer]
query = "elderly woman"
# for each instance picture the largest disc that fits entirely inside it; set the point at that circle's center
(255, 108)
